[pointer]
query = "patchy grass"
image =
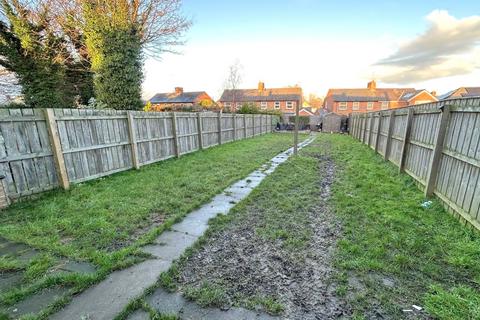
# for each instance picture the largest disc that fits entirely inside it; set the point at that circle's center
(106, 220)
(207, 295)
(394, 253)
(9, 264)
(282, 205)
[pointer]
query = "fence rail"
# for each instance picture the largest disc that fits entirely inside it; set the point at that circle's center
(45, 149)
(438, 144)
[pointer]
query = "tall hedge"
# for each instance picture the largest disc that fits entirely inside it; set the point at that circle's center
(115, 49)
(50, 75)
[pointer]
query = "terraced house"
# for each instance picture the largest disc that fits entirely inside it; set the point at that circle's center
(282, 99)
(346, 101)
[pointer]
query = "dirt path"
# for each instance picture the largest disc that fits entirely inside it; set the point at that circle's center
(248, 265)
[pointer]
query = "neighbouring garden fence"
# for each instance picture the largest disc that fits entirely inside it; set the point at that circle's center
(41, 149)
(438, 144)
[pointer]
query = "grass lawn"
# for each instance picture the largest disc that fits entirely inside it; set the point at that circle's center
(393, 253)
(106, 220)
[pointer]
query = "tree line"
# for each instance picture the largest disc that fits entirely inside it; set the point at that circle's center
(64, 52)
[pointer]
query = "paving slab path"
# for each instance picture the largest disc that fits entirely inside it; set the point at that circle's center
(108, 298)
(23, 255)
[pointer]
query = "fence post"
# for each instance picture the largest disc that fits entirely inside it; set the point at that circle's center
(245, 125)
(359, 127)
(406, 138)
(234, 127)
(437, 151)
(219, 121)
(200, 130)
(133, 140)
(175, 135)
(57, 149)
(388, 143)
(352, 125)
(379, 128)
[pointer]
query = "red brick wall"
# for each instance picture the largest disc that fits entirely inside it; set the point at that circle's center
(333, 106)
(363, 107)
(270, 106)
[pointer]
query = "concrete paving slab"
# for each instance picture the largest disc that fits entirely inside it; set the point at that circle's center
(10, 280)
(13, 249)
(108, 298)
(170, 245)
(191, 227)
(36, 302)
(194, 312)
(76, 266)
(167, 303)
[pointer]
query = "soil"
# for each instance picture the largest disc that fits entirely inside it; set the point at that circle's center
(247, 265)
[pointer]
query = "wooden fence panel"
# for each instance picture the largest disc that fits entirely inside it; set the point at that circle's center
(96, 143)
(26, 158)
(374, 130)
(227, 128)
(93, 144)
(187, 132)
(399, 126)
(240, 126)
(250, 130)
(210, 129)
(453, 174)
(382, 135)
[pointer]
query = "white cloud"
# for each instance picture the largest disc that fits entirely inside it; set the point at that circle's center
(447, 48)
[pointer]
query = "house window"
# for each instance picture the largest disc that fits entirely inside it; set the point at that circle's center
(356, 105)
(228, 104)
(290, 104)
(277, 104)
(369, 105)
(263, 104)
(384, 105)
(342, 106)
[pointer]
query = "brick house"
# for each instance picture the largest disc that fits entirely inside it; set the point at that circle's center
(463, 92)
(179, 98)
(346, 101)
(278, 99)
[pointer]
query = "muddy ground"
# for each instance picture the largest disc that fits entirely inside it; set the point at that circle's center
(247, 265)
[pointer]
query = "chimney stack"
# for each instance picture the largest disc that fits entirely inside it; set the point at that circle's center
(433, 93)
(372, 85)
(261, 86)
(178, 90)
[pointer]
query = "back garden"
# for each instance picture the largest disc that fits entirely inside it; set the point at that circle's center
(335, 232)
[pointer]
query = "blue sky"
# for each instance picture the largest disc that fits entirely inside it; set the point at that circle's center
(309, 42)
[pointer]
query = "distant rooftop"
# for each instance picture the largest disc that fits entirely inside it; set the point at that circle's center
(179, 96)
(262, 94)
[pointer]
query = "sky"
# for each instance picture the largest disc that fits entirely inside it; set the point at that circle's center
(425, 44)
